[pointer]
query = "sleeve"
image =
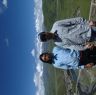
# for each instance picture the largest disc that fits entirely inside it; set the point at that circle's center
(71, 21)
(75, 47)
(81, 67)
(71, 45)
(61, 67)
(64, 66)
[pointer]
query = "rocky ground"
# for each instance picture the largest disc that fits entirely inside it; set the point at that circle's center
(85, 79)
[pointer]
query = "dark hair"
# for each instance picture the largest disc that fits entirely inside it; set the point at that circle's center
(43, 36)
(50, 61)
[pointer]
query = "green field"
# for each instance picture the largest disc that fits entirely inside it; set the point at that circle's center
(55, 10)
(60, 9)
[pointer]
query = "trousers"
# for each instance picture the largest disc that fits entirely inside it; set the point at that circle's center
(88, 56)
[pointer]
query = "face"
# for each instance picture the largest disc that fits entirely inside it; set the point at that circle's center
(45, 57)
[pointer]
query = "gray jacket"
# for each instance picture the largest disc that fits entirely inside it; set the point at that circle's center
(74, 33)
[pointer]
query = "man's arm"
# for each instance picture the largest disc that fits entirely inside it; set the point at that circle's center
(71, 45)
(71, 21)
(75, 47)
(89, 65)
(64, 66)
(89, 45)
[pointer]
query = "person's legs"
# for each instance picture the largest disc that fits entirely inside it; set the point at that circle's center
(94, 29)
(88, 56)
(93, 36)
(91, 52)
(84, 58)
(92, 24)
(91, 55)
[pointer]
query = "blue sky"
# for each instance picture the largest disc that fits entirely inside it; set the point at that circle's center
(17, 35)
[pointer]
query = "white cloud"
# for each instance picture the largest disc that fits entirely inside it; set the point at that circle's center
(40, 69)
(38, 79)
(5, 3)
(39, 84)
(6, 42)
(38, 15)
(39, 47)
(1, 10)
(3, 6)
(38, 74)
(33, 52)
(39, 20)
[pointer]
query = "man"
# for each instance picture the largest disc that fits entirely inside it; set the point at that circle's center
(70, 59)
(74, 33)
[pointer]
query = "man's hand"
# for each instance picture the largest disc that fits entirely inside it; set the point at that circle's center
(89, 65)
(89, 45)
(91, 23)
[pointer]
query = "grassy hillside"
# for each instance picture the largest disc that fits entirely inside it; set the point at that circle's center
(55, 10)
(60, 9)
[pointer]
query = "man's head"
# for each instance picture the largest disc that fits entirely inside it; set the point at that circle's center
(46, 57)
(45, 36)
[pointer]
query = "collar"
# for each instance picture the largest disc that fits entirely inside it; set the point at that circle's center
(55, 33)
(54, 57)
(56, 37)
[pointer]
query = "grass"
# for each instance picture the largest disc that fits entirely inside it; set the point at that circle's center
(60, 9)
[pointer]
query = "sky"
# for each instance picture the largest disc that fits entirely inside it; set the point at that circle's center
(17, 47)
